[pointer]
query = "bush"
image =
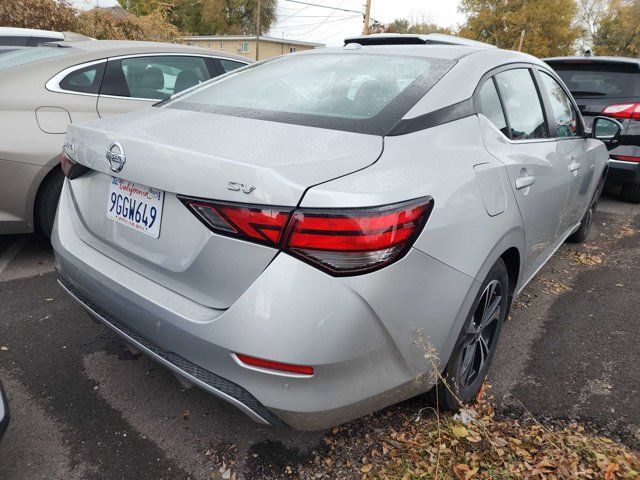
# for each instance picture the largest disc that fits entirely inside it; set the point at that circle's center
(42, 14)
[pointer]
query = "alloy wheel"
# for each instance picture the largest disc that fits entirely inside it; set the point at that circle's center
(481, 334)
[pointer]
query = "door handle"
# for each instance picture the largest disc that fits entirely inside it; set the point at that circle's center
(574, 166)
(524, 182)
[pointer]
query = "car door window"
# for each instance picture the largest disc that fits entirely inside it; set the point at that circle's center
(564, 114)
(153, 77)
(84, 80)
(522, 104)
(491, 107)
(228, 65)
(16, 41)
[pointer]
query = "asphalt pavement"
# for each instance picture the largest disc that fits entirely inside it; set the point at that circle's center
(84, 407)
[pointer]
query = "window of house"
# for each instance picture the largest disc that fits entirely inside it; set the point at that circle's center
(221, 45)
(522, 104)
(245, 47)
(564, 114)
(292, 49)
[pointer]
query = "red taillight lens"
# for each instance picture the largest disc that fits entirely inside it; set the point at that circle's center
(252, 222)
(351, 241)
(71, 169)
(623, 110)
(272, 365)
(338, 241)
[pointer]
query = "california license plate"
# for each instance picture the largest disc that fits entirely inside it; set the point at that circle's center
(136, 206)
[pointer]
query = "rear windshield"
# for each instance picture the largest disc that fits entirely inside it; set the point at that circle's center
(365, 93)
(18, 58)
(600, 79)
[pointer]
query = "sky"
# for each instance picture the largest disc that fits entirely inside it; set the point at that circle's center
(323, 25)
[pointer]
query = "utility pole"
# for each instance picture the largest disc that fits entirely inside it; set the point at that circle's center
(258, 28)
(367, 17)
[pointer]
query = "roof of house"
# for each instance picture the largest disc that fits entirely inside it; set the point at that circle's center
(252, 37)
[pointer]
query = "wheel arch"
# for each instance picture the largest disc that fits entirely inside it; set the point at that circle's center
(48, 177)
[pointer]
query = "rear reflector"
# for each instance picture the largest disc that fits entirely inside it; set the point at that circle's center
(626, 158)
(623, 110)
(338, 241)
(271, 365)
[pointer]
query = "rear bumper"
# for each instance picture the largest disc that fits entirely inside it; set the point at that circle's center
(4, 412)
(358, 333)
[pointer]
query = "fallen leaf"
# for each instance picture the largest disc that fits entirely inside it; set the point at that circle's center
(366, 468)
(459, 431)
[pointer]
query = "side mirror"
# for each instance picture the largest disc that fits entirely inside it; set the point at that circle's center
(607, 130)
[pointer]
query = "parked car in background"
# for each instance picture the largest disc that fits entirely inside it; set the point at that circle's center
(4, 412)
(284, 235)
(44, 89)
(29, 37)
(609, 86)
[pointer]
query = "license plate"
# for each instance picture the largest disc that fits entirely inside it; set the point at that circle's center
(136, 206)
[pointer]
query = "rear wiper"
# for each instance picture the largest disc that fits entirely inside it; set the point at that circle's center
(587, 93)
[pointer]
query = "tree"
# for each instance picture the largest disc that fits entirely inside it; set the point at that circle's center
(548, 24)
(618, 31)
(590, 13)
(118, 24)
(417, 24)
(42, 14)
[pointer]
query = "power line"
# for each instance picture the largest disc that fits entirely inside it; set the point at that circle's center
(325, 6)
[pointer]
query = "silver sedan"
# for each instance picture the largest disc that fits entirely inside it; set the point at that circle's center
(313, 237)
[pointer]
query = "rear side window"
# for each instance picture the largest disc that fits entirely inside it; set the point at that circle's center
(490, 106)
(84, 80)
(522, 104)
(153, 77)
(228, 65)
(605, 79)
(564, 115)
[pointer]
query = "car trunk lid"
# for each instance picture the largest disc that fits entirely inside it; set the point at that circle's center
(207, 156)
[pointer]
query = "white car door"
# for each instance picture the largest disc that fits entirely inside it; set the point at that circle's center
(518, 135)
(573, 146)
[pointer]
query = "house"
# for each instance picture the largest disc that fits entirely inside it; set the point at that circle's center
(245, 45)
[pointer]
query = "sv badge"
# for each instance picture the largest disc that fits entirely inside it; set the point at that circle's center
(240, 187)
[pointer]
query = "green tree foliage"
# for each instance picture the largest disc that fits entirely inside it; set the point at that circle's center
(42, 14)
(401, 25)
(109, 24)
(549, 25)
(202, 17)
(618, 31)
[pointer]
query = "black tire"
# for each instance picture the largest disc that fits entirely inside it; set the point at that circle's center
(47, 202)
(631, 192)
(462, 385)
(580, 235)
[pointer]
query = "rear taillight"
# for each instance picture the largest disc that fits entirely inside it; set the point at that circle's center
(71, 169)
(338, 241)
(623, 110)
(250, 222)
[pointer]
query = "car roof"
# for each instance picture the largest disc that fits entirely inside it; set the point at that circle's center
(28, 32)
(594, 58)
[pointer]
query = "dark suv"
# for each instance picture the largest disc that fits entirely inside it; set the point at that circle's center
(609, 86)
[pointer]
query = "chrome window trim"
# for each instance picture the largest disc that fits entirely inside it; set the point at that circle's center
(53, 84)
